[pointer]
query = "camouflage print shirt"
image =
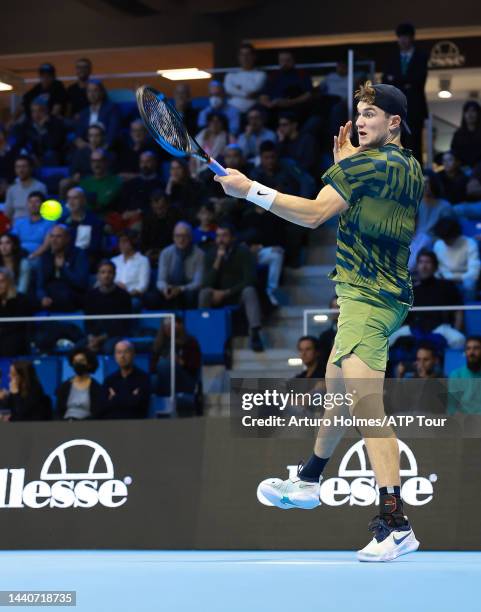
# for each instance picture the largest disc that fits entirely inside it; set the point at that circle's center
(383, 188)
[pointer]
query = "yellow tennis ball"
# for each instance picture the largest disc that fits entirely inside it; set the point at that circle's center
(51, 210)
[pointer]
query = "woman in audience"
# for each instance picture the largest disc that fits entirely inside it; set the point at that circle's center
(13, 336)
(25, 398)
(184, 192)
(466, 143)
(213, 139)
(432, 208)
(11, 257)
(80, 397)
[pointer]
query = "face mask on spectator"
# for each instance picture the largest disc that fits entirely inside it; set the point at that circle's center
(80, 369)
(216, 101)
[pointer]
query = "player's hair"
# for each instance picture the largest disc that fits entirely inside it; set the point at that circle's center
(313, 339)
(366, 93)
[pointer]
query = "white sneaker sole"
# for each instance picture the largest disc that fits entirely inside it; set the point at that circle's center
(409, 545)
(269, 496)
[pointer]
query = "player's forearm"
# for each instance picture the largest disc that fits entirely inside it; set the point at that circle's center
(297, 210)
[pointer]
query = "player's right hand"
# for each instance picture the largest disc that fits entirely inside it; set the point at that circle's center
(235, 184)
(342, 143)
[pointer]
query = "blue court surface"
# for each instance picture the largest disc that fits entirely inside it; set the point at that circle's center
(247, 581)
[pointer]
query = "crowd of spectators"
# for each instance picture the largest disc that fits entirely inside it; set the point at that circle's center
(142, 231)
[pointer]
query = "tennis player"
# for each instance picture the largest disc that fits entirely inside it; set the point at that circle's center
(376, 189)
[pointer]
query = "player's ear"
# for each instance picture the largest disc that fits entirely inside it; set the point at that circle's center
(395, 123)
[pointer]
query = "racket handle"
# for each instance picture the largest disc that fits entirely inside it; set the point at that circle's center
(217, 168)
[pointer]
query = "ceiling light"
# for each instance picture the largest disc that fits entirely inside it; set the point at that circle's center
(5, 86)
(320, 318)
(184, 74)
(294, 361)
(444, 88)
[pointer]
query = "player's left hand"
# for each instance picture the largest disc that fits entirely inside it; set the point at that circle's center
(235, 184)
(342, 143)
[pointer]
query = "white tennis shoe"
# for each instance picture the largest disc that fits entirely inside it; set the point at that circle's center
(288, 494)
(388, 542)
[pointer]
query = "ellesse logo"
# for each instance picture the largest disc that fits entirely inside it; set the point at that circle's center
(59, 487)
(362, 491)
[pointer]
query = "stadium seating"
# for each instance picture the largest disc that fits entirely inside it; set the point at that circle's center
(453, 358)
(212, 329)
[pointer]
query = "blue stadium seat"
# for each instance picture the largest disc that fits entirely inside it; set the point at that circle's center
(165, 171)
(470, 227)
(51, 176)
(48, 372)
(472, 322)
(453, 358)
(4, 369)
(80, 323)
(67, 371)
(212, 328)
(200, 102)
(160, 407)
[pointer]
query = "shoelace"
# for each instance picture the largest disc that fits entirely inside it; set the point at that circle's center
(380, 528)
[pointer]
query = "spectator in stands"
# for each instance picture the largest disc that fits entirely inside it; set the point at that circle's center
(432, 291)
(188, 359)
(62, 276)
(86, 229)
(335, 83)
(219, 104)
(183, 191)
(229, 279)
(458, 257)
(14, 336)
(127, 391)
(80, 165)
(254, 135)
(431, 209)
(99, 110)
(43, 134)
(204, 234)
(17, 194)
(244, 85)
(106, 298)
(426, 365)
(407, 69)
(136, 193)
(12, 257)
(213, 139)
(8, 154)
(158, 226)
(32, 230)
(81, 397)
(5, 223)
(454, 181)
(77, 92)
(183, 105)
(301, 147)
(102, 188)
(466, 142)
(308, 348)
(25, 397)
(179, 277)
(132, 269)
(288, 87)
(278, 174)
(50, 88)
(265, 236)
(326, 338)
(464, 388)
(131, 147)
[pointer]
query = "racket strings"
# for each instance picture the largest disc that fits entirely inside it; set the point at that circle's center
(166, 123)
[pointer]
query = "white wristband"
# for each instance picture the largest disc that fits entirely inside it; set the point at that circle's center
(261, 195)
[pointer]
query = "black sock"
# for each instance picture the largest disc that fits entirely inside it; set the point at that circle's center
(391, 505)
(312, 470)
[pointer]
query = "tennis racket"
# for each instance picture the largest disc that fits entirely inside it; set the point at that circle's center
(167, 128)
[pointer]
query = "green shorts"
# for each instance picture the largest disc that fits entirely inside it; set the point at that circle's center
(366, 320)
